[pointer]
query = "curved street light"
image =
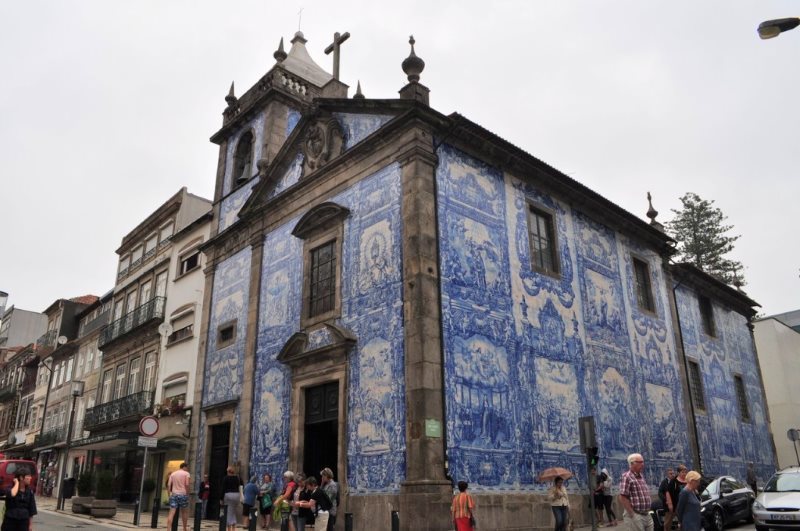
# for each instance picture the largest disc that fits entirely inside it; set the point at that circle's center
(772, 28)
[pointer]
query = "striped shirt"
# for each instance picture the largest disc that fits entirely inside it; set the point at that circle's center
(462, 505)
(634, 487)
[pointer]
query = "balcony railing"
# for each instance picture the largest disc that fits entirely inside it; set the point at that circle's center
(96, 323)
(48, 339)
(118, 411)
(50, 437)
(8, 391)
(147, 312)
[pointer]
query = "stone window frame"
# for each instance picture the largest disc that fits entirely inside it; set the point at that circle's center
(647, 303)
(319, 226)
(696, 387)
(232, 324)
(534, 207)
(706, 307)
(741, 397)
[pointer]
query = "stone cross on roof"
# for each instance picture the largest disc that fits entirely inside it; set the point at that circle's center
(338, 39)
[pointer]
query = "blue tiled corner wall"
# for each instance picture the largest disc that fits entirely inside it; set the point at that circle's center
(727, 443)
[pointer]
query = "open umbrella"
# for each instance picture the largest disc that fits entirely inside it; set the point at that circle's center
(549, 474)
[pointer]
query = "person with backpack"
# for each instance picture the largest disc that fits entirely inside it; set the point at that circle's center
(331, 489)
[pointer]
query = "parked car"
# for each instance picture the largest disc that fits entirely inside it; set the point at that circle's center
(723, 500)
(778, 505)
(9, 467)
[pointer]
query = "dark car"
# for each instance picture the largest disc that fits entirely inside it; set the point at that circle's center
(723, 500)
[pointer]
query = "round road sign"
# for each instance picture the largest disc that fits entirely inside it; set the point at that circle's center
(148, 426)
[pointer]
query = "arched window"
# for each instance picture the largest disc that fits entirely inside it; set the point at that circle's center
(243, 160)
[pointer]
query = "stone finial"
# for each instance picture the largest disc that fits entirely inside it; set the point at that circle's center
(652, 213)
(298, 36)
(737, 282)
(231, 98)
(280, 53)
(358, 95)
(413, 65)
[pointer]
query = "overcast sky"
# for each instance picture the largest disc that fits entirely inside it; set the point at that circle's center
(106, 109)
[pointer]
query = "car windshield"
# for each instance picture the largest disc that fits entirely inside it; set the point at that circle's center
(783, 483)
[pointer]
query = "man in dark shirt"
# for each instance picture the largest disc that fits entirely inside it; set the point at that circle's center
(676, 485)
(317, 500)
(662, 488)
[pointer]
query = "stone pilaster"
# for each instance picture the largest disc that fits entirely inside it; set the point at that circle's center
(425, 494)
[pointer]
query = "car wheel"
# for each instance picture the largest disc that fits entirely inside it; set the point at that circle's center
(719, 520)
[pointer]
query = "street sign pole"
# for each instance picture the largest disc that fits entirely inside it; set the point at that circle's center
(587, 439)
(141, 488)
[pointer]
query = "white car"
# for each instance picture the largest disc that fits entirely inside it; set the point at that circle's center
(778, 506)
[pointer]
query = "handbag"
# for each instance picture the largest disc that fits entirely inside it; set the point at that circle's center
(472, 521)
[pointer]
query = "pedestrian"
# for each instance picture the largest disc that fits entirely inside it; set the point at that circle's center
(318, 505)
(599, 495)
(231, 497)
(462, 509)
(607, 497)
(282, 503)
(634, 495)
(331, 488)
(298, 520)
(204, 491)
(752, 479)
(688, 508)
(664, 485)
(559, 503)
(266, 498)
(178, 488)
(249, 500)
(674, 489)
(20, 503)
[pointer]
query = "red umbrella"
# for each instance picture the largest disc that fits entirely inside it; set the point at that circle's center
(549, 474)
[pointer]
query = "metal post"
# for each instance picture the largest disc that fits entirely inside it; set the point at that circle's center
(284, 521)
(252, 520)
(348, 521)
(395, 521)
(175, 518)
(136, 512)
(223, 518)
(141, 488)
(66, 453)
(156, 508)
(198, 514)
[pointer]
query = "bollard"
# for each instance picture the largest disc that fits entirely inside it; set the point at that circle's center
(284, 521)
(198, 515)
(395, 521)
(252, 519)
(348, 521)
(136, 512)
(223, 518)
(156, 508)
(175, 518)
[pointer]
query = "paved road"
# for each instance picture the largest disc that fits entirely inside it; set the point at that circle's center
(46, 520)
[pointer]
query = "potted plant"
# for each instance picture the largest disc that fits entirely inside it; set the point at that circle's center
(148, 486)
(104, 506)
(82, 503)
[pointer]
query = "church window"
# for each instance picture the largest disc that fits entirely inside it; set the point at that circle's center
(322, 288)
(544, 248)
(644, 289)
(707, 315)
(243, 160)
(741, 394)
(696, 385)
(226, 334)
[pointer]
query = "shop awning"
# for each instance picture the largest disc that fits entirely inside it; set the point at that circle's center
(107, 441)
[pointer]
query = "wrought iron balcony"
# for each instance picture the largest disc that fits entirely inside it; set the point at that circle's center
(118, 411)
(48, 339)
(150, 311)
(50, 437)
(8, 391)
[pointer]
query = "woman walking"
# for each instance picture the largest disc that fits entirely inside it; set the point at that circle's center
(231, 497)
(559, 503)
(607, 497)
(20, 504)
(688, 510)
(462, 509)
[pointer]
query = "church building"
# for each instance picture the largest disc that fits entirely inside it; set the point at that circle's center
(408, 299)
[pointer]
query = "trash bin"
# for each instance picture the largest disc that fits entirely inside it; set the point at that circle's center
(69, 488)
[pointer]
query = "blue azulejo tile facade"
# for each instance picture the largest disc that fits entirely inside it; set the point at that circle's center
(727, 441)
(527, 353)
(371, 301)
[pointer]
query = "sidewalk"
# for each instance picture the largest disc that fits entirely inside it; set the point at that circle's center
(124, 517)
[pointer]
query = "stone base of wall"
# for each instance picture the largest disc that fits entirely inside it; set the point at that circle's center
(506, 512)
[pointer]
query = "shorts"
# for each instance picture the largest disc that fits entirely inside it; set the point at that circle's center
(179, 501)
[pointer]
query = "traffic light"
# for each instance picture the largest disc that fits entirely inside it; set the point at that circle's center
(592, 457)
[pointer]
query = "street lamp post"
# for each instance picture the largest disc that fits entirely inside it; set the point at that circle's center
(772, 28)
(76, 391)
(49, 367)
